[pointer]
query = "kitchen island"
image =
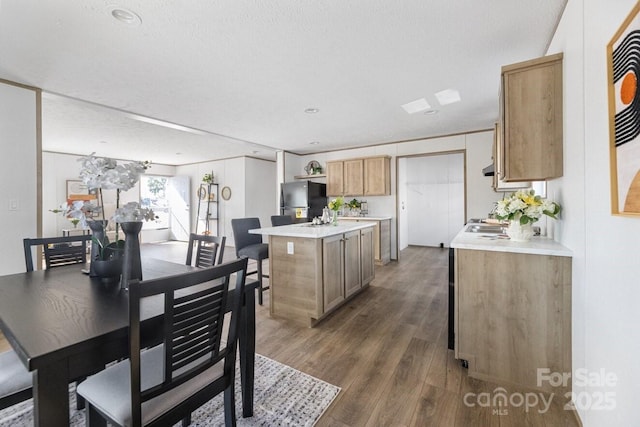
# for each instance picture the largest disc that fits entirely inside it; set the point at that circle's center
(314, 269)
(512, 311)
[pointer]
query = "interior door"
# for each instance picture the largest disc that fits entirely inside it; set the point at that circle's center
(179, 201)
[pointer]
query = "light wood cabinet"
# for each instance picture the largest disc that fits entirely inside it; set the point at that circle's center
(367, 267)
(335, 178)
(377, 176)
(500, 184)
(513, 315)
(381, 238)
(531, 120)
(352, 263)
(370, 176)
(333, 267)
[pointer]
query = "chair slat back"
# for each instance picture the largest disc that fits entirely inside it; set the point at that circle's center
(58, 251)
(209, 250)
(195, 304)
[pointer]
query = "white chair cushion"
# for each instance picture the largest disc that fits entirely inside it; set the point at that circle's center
(109, 391)
(14, 376)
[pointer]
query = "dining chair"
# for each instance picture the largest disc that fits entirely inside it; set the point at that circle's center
(278, 220)
(16, 382)
(250, 246)
(58, 251)
(166, 383)
(209, 250)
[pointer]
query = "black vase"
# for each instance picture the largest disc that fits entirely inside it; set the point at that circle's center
(97, 231)
(131, 266)
(108, 270)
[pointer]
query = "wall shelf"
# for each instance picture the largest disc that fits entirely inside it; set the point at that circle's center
(318, 175)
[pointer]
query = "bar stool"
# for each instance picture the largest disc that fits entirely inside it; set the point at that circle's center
(250, 246)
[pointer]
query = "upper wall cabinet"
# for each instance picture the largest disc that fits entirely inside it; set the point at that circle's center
(531, 120)
(370, 176)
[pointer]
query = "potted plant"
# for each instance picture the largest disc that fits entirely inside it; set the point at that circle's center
(354, 207)
(208, 178)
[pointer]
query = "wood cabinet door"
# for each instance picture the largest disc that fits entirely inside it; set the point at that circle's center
(353, 177)
(377, 176)
(366, 255)
(333, 271)
(352, 279)
(335, 178)
(532, 96)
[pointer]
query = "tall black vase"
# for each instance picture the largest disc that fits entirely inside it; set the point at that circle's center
(97, 231)
(131, 266)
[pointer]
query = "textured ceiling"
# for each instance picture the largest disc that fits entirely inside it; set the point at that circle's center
(242, 72)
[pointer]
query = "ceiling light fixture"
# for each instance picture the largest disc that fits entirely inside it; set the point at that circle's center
(416, 106)
(126, 16)
(430, 112)
(448, 96)
(311, 110)
(314, 143)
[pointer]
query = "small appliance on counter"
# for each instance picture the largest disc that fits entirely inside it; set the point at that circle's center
(302, 200)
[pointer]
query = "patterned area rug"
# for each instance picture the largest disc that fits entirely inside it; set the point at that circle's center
(283, 396)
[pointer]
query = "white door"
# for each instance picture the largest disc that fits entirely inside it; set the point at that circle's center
(179, 200)
(434, 199)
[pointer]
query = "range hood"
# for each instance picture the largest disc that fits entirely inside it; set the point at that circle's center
(489, 170)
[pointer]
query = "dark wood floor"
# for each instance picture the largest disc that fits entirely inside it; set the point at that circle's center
(387, 350)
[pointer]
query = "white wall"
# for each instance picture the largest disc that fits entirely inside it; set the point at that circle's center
(18, 185)
(606, 257)
(480, 196)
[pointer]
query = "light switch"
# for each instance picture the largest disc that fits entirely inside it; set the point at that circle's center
(290, 248)
(13, 204)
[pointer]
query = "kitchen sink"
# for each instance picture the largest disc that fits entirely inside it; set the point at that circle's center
(478, 228)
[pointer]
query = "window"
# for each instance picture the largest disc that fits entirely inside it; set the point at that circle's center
(153, 194)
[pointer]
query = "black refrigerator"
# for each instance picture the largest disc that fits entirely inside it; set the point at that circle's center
(303, 200)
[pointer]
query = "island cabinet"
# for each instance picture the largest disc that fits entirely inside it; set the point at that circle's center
(314, 270)
(369, 176)
(513, 315)
(531, 120)
(381, 236)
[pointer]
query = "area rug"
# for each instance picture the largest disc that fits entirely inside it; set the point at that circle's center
(283, 396)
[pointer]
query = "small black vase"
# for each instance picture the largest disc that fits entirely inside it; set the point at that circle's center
(97, 232)
(132, 266)
(108, 270)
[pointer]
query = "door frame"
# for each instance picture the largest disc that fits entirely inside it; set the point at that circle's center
(462, 151)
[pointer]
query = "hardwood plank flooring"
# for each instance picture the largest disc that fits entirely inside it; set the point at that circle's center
(387, 350)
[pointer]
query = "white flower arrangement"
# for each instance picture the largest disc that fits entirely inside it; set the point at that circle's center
(133, 212)
(526, 207)
(77, 211)
(106, 173)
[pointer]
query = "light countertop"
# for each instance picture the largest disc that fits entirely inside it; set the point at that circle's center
(307, 230)
(538, 245)
(364, 218)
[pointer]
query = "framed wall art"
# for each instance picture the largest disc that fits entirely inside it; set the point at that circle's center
(77, 190)
(623, 52)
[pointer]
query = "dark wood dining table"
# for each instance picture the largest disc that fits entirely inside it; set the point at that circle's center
(65, 326)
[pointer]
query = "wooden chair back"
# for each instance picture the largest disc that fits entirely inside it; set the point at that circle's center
(209, 250)
(195, 305)
(58, 251)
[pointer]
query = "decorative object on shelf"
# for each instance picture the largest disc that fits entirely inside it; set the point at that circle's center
(524, 208)
(207, 211)
(226, 193)
(313, 168)
(208, 178)
(624, 114)
(335, 205)
(354, 207)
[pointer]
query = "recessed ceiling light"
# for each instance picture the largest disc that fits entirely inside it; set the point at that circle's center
(416, 106)
(103, 142)
(314, 142)
(448, 96)
(126, 16)
(311, 110)
(430, 112)
(178, 154)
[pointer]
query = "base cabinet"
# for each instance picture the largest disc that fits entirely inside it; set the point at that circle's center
(381, 238)
(310, 278)
(513, 316)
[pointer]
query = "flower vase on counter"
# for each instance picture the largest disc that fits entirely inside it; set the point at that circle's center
(334, 218)
(518, 232)
(131, 266)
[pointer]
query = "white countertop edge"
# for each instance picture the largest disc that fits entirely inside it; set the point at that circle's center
(312, 232)
(364, 218)
(536, 246)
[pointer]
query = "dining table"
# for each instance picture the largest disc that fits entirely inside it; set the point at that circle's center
(65, 326)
